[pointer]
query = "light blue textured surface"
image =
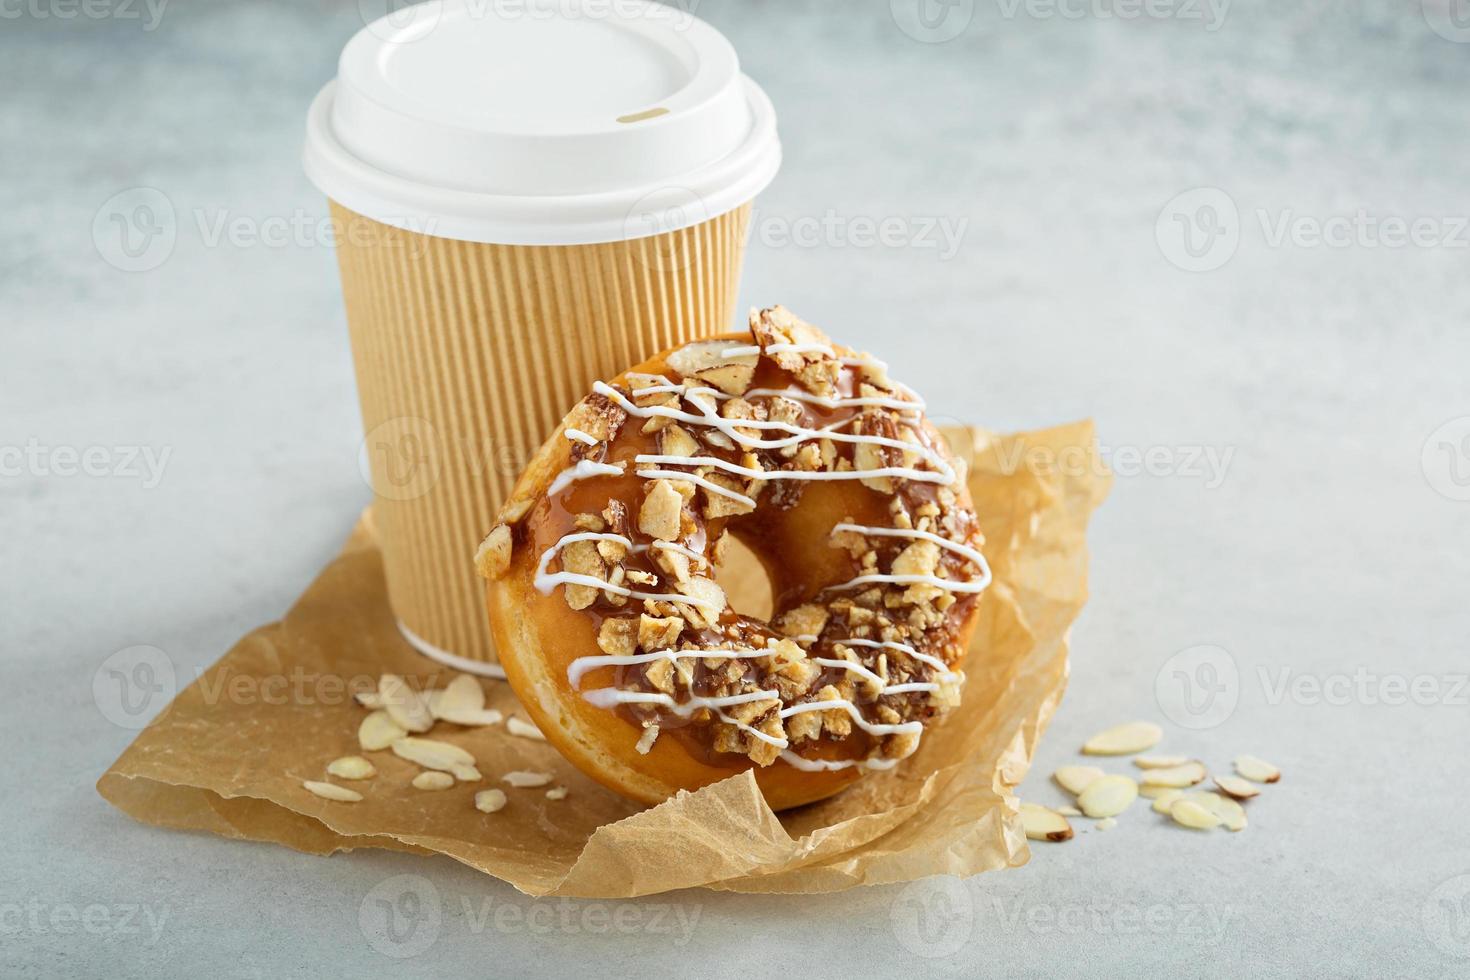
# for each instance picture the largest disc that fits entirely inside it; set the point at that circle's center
(1331, 546)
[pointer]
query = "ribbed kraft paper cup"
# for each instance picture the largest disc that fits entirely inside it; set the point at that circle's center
(528, 197)
(468, 354)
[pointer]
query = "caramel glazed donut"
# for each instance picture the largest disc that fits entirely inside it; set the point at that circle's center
(602, 599)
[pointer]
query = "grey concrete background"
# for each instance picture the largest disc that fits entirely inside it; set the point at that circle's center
(1323, 552)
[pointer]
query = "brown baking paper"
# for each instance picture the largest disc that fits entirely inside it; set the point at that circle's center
(230, 753)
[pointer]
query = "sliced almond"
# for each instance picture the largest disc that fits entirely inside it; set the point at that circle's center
(331, 791)
(1189, 813)
(1237, 788)
(433, 780)
(1256, 770)
(432, 754)
(1231, 813)
(1136, 736)
(463, 695)
(1160, 761)
(557, 793)
(646, 740)
(1188, 774)
(1044, 824)
(1165, 799)
(351, 767)
(490, 800)
(472, 719)
(368, 699)
(378, 731)
(524, 729)
(1074, 779)
(1108, 796)
(526, 780)
(1107, 823)
(408, 709)
(466, 774)
(1151, 792)
(1069, 811)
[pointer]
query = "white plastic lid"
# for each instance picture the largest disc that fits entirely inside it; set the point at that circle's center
(541, 122)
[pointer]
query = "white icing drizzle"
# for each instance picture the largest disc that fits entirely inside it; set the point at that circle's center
(582, 470)
(546, 581)
(779, 348)
(925, 658)
(689, 553)
(577, 435)
(904, 532)
(948, 585)
(667, 387)
(877, 401)
(884, 686)
(903, 472)
(580, 667)
(607, 697)
(731, 427)
(827, 765)
(842, 704)
(696, 480)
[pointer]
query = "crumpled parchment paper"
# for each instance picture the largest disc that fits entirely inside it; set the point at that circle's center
(229, 754)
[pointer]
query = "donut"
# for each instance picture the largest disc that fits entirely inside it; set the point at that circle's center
(603, 593)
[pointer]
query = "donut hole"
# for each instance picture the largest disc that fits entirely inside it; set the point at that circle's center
(748, 587)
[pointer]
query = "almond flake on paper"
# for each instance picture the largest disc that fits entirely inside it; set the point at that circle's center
(331, 791)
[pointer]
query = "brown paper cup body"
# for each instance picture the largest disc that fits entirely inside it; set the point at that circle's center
(469, 354)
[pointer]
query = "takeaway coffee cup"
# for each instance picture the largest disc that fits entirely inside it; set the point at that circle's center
(528, 195)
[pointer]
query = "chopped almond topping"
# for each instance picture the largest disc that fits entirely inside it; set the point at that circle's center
(493, 557)
(660, 513)
(618, 637)
(658, 634)
(581, 558)
(805, 620)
